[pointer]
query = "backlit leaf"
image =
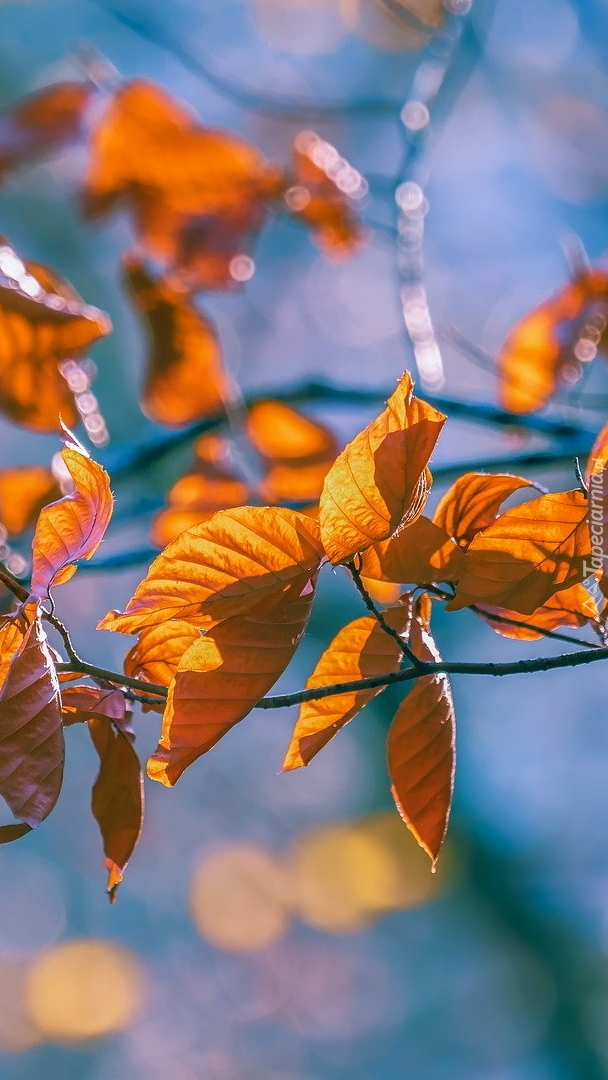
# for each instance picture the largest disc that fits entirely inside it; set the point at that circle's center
(421, 749)
(420, 553)
(23, 493)
(118, 798)
(570, 607)
(549, 345)
(221, 677)
(237, 560)
(31, 732)
(360, 650)
(529, 553)
(38, 330)
(158, 650)
(73, 527)
(380, 480)
(472, 503)
(195, 497)
(46, 120)
(185, 379)
(12, 632)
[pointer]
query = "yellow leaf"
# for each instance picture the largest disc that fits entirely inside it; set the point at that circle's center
(380, 480)
(419, 554)
(472, 503)
(232, 563)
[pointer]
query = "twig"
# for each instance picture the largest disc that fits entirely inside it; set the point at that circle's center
(81, 667)
(379, 617)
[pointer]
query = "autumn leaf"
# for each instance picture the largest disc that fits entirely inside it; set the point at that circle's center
(73, 527)
(473, 501)
(39, 328)
(82, 703)
(12, 632)
(214, 485)
(320, 196)
(297, 452)
(570, 607)
(529, 553)
(237, 560)
(222, 676)
(31, 734)
(23, 492)
(360, 650)
(421, 749)
(380, 480)
(540, 354)
(185, 379)
(158, 650)
(47, 120)
(191, 190)
(118, 798)
(419, 554)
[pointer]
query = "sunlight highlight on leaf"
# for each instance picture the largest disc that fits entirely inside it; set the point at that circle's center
(473, 501)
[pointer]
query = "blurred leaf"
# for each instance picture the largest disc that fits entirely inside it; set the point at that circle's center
(317, 200)
(380, 480)
(297, 452)
(570, 607)
(195, 497)
(185, 378)
(544, 350)
(361, 649)
(23, 493)
(45, 121)
(529, 553)
(73, 527)
(421, 748)
(239, 560)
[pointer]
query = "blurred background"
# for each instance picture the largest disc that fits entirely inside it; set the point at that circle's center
(287, 927)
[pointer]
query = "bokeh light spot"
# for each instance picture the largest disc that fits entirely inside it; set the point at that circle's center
(237, 899)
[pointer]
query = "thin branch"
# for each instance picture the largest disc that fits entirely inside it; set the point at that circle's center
(64, 634)
(80, 667)
(553, 635)
(13, 585)
(379, 617)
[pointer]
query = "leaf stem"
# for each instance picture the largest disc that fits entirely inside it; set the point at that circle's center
(379, 617)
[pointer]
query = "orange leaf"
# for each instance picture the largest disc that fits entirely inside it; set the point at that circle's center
(473, 502)
(73, 527)
(360, 650)
(46, 120)
(420, 553)
(380, 480)
(570, 607)
(40, 327)
(12, 632)
(118, 798)
(31, 733)
(529, 553)
(222, 677)
(541, 352)
(158, 650)
(178, 178)
(196, 496)
(280, 433)
(421, 750)
(23, 493)
(236, 561)
(185, 379)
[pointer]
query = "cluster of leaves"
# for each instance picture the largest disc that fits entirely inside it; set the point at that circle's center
(222, 610)
(196, 197)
